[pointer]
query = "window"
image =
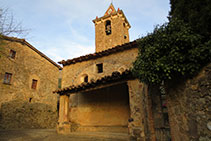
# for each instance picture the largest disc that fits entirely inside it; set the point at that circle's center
(125, 36)
(34, 84)
(30, 99)
(12, 54)
(108, 27)
(86, 78)
(99, 68)
(7, 78)
(59, 83)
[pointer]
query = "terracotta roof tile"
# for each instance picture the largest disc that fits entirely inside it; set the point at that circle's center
(107, 52)
(114, 77)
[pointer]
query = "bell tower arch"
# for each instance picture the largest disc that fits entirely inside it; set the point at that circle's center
(111, 30)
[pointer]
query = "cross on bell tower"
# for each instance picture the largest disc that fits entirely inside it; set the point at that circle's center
(111, 29)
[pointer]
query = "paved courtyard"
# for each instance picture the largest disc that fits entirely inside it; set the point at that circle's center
(51, 135)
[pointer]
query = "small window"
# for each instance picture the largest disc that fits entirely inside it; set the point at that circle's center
(59, 83)
(12, 54)
(86, 78)
(100, 68)
(124, 24)
(108, 27)
(30, 100)
(125, 36)
(34, 84)
(7, 78)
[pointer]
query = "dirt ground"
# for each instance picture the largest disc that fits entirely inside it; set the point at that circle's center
(51, 135)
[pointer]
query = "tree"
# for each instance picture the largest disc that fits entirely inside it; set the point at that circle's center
(197, 13)
(178, 48)
(172, 50)
(8, 26)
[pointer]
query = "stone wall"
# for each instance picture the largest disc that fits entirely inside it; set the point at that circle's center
(136, 121)
(26, 66)
(73, 74)
(105, 109)
(189, 107)
(19, 115)
(119, 32)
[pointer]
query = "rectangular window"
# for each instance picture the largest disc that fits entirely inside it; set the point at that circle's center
(34, 84)
(59, 83)
(99, 68)
(12, 54)
(7, 78)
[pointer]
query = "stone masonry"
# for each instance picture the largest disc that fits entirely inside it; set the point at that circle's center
(28, 64)
(119, 30)
(189, 107)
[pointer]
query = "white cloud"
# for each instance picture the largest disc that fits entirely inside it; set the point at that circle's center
(68, 50)
(63, 29)
(63, 49)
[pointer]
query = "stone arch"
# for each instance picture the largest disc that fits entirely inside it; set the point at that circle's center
(122, 68)
(84, 78)
(108, 27)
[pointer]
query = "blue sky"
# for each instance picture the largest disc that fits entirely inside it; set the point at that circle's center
(63, 29)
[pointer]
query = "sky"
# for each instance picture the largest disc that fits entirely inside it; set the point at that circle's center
(63, 29)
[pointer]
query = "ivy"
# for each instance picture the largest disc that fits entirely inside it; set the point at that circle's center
(172, 50)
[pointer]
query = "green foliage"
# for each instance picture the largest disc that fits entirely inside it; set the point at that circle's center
(197, 13)
(172, 50)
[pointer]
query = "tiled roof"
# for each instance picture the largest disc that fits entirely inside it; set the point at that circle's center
(114, 77)
(107, 52)
(23, 41)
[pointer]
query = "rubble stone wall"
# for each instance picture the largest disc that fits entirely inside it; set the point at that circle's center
(27, 65)
(23, 115)
(189, 108)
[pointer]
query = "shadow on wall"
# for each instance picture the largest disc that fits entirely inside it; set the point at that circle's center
(18, 114)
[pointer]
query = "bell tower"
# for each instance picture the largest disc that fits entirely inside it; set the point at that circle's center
(111, 29)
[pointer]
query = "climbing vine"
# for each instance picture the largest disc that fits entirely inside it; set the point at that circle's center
(172, 50)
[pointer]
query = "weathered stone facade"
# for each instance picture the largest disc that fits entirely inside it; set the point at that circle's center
(112, 107)
(74, 74)
(189, 104)
(101, 109)
(27, 65)
(19, 114)
(96, 95)
(118, 29)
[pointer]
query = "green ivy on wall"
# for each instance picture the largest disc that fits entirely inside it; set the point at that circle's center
(172, 50)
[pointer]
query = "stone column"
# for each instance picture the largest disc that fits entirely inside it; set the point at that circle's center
(136, 121)
(63, 126)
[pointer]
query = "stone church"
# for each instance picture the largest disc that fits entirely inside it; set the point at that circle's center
(98, 90)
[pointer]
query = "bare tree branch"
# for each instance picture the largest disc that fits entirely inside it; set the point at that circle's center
(8, 26)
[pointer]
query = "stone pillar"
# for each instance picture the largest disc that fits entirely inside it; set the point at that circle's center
(63, 126)
(136, 121)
